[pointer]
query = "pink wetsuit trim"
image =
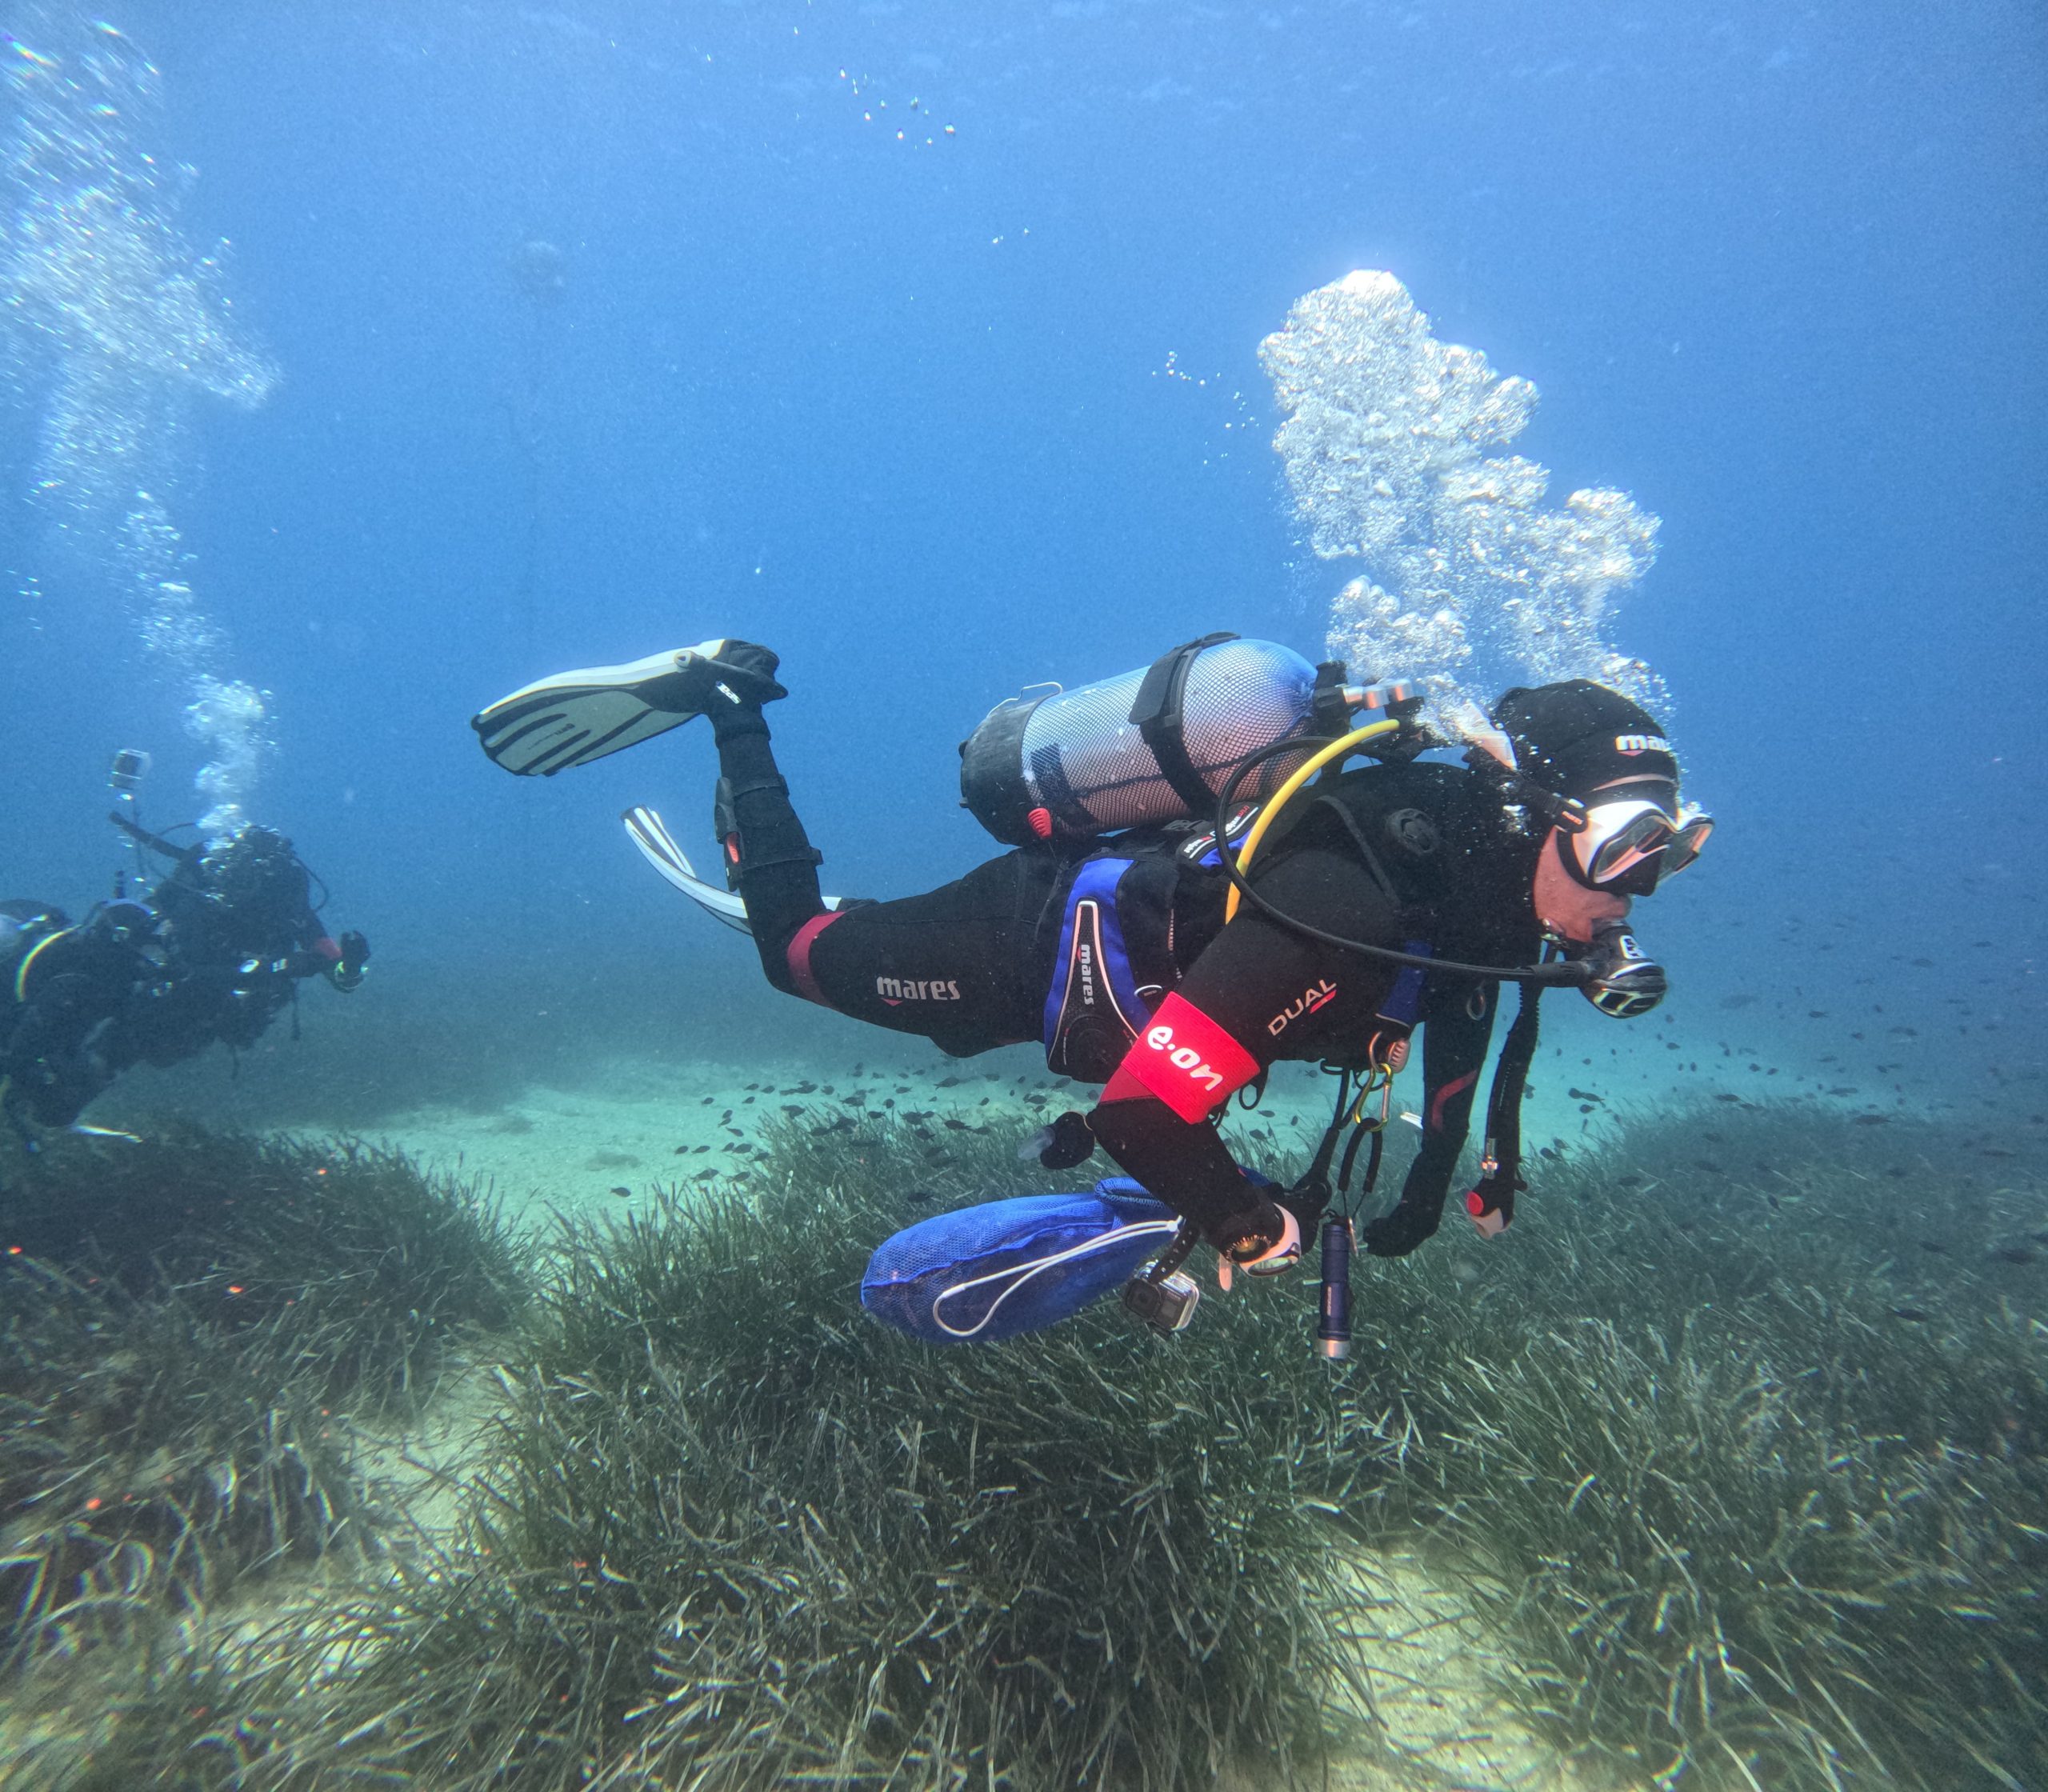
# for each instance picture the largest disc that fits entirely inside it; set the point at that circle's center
(798, 957)
(1445, 1094)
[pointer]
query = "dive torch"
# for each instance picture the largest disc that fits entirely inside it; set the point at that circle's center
(1333, 1329)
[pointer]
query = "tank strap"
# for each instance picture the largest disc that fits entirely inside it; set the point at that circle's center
(1156, 713)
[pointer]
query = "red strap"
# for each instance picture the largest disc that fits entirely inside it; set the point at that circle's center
(1187, 1060)
(799, 956)
(1445, 1094)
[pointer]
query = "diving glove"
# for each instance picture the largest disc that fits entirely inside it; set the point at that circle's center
(350, 968)
(1397, 1232)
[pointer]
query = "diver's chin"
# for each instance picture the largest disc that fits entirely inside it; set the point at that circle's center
(1564, 905)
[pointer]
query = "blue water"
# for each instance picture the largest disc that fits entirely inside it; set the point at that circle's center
(919, 341)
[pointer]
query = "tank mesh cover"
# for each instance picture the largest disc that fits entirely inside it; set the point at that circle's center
(1240, 696)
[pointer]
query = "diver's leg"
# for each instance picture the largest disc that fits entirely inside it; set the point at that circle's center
(768, 857)
(959, 964)
(955, 964)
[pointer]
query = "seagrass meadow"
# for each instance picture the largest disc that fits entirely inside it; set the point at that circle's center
(1735, 1443)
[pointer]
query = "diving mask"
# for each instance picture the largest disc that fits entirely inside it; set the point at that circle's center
(1630, 846)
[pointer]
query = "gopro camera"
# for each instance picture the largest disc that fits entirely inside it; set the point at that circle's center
(1167, 1304)
(130, 766)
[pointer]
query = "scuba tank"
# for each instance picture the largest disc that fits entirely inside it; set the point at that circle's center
(1154, 745)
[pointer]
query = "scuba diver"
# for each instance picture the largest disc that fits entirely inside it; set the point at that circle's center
(214, 951)
(1161, 937)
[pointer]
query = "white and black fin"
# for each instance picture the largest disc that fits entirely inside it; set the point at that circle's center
(576, 717)
(657, 846)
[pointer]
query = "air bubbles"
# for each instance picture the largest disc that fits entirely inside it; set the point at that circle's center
(1383, 446)
(121, 326)
(875, 111)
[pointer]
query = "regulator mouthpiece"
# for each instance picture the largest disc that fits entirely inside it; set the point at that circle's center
(1621, 980)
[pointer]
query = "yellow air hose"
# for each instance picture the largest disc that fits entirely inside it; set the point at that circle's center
(1336, 749)
(34, 953)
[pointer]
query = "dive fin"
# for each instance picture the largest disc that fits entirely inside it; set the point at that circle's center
(657, 846)
(576, 717)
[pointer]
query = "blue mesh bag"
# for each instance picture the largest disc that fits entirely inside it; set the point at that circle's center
(1011, 1266)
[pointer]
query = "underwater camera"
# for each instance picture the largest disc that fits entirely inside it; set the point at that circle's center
(1165, 1303)
(130, 766)
(1162, 1296)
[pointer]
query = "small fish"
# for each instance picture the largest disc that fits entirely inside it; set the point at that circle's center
(954, 1125)
(920, 1198)
(1869, 1120)
(2011, 1254)
(1919, 1316)
(949, 1082)
(1733, 1001)
(1584, 1095)
(1933, 1246)
(1995, 1151)
(621, 1190)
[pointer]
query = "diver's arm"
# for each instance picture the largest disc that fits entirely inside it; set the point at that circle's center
(1454, 1044)
(1245, 1000)
(340, 961)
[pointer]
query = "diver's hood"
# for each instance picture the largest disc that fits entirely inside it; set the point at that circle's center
(1576, 737)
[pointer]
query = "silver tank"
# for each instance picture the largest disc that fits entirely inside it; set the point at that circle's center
(1079, 762)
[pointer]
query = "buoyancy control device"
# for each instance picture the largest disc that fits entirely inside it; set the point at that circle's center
(1154, 745)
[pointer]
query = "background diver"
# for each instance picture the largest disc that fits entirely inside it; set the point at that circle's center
(214, 950)
(1394, 896)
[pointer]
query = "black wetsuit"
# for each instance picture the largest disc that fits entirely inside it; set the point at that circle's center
(80, 1004)
(1398, 855)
